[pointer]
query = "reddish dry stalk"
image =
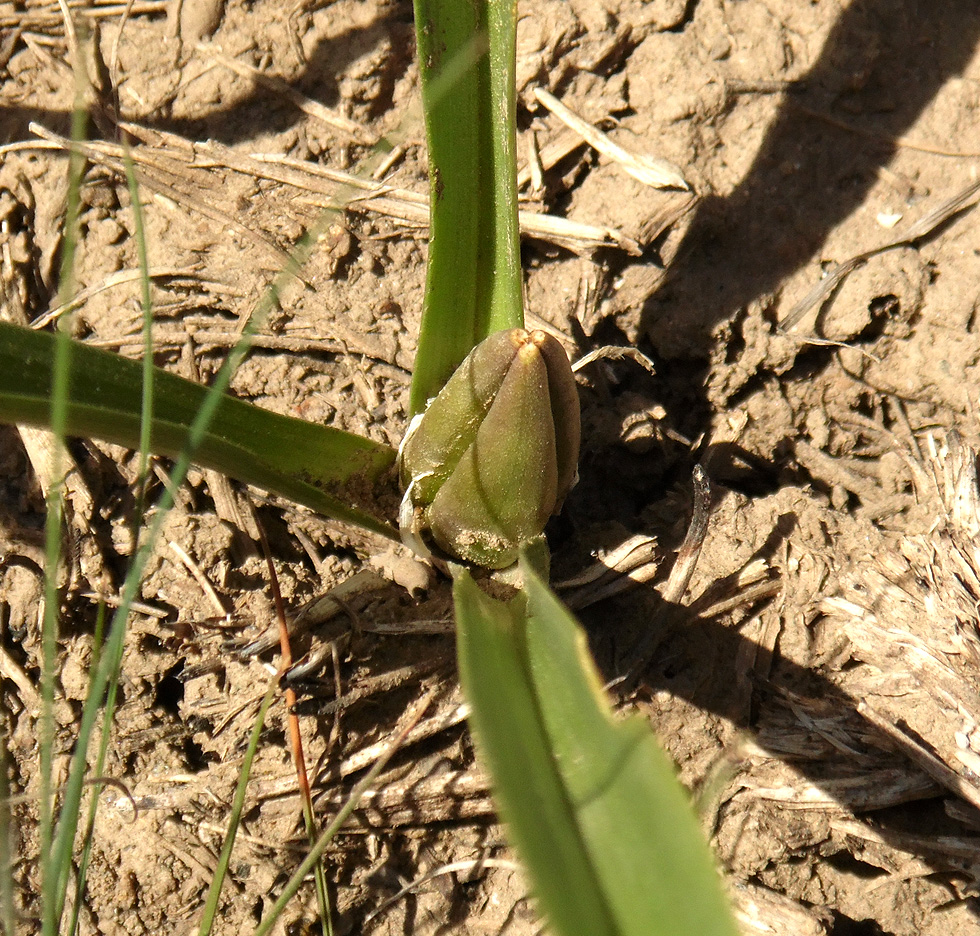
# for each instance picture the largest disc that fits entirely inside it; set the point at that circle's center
(295, 738)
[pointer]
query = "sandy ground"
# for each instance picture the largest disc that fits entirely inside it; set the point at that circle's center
(810, 311)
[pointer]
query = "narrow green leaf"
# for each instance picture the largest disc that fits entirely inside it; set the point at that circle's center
(592, 804)
(473, 285)
(235, 816)
(146, 302)
(513, 742)
(53, 862)
(335, 473)
(7, 855)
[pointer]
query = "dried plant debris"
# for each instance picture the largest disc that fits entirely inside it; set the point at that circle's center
(912, 623)
(851, 768)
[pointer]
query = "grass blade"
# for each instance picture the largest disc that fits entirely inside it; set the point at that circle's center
(146, 426)
(361, 787)
(6, 845)
(85, 858)
(592, 804)
(323, 468)
(146, 303)
(53, 867)
(235, 818)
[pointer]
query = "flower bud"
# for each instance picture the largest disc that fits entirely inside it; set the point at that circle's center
(495, 453)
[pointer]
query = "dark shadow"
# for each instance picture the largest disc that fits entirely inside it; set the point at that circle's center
(708, 683)
(882, 64)
(880, 67)
(695, 659)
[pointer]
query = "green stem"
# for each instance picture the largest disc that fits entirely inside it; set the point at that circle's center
(473, 285)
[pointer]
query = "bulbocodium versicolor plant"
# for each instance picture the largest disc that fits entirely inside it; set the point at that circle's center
(494, 453)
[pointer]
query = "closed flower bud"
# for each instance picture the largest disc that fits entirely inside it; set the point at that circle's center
(495, 453)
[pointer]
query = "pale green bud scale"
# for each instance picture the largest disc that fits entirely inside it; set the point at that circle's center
(495, 453)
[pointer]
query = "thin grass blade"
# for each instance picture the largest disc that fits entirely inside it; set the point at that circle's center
(235, 817)
(53, 868)
(6, 845)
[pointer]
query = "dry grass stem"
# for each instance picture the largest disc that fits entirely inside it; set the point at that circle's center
(649, 170)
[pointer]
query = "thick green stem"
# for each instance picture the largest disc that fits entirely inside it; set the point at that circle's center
(473, 287)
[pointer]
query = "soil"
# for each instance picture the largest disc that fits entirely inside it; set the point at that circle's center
(817, 685)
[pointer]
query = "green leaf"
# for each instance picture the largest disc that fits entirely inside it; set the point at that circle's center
(235, 816)
(473, 286)
(335, 473)
(592, 804)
